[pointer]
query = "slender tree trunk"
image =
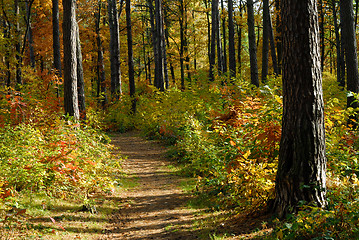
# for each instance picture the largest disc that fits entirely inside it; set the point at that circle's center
(154, 39)
(224, 48)
(100, 67)
(186, 45)
(231, 47)
(265, 49)
(220, 57)
(278, 35)
(182, 43)
(340, 56)
(252, 44)
(208, 31)
(18, 46)
(70, 60)
(7, 31)
(56, 37)
(212, 59)
(80, 76)
(351, 58)
(272, 47)
(116, 88)
(30, 38)
(302, 162)
(131, 70)
(168, 45)
(56, 42)
(321, 29)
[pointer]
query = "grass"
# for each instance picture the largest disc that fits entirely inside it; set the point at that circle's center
(57, 218)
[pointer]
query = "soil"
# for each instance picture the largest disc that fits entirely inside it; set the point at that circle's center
(156, 207)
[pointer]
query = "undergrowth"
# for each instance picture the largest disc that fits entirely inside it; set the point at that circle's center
(228, 138)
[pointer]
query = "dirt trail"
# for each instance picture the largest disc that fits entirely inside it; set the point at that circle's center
(155, 207)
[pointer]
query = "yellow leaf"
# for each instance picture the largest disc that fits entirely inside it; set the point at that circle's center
(280, 234)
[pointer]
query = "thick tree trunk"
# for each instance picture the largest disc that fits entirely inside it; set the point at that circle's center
(301, 175)
(351, 58)
(131, 76)
(80, 76)
(70, 60)
(116, 88)
(231, 47)
(265, 49)
(252, 44)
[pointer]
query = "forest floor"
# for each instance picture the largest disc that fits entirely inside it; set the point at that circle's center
(152, 201)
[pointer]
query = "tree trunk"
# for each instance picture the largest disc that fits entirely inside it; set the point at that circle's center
(100, 67)
(252, 44)
(30, 38)
(340, 56)
(7, 31)
(278, 35)
(56, 37)
(321, 30)
(154, 40)
(131, 76)
(351, 59)
(265, 49)
(220, 58)
(212, 59)
(272, 48)
(70, 60)
(116, 88)
(208, 31)
(224, 48)
(56, 41)
(231, 47)
(80, 76)
(18, 46)
(302, 164)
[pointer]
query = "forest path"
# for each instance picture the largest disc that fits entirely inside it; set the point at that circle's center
(153, 205)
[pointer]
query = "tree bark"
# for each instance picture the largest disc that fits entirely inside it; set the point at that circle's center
(70, 60)
(30, 38)
(214, 35)
(321, 30)
(272, 48)
(224, 34)
(252, 44)
(351, 58)
(100, 67)
(18, 55)
(340, 56)
(131, 76)
(116, 88)
(56, 42)
(231, 47)
(80, 76)
(301, 175)
(265, 49)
